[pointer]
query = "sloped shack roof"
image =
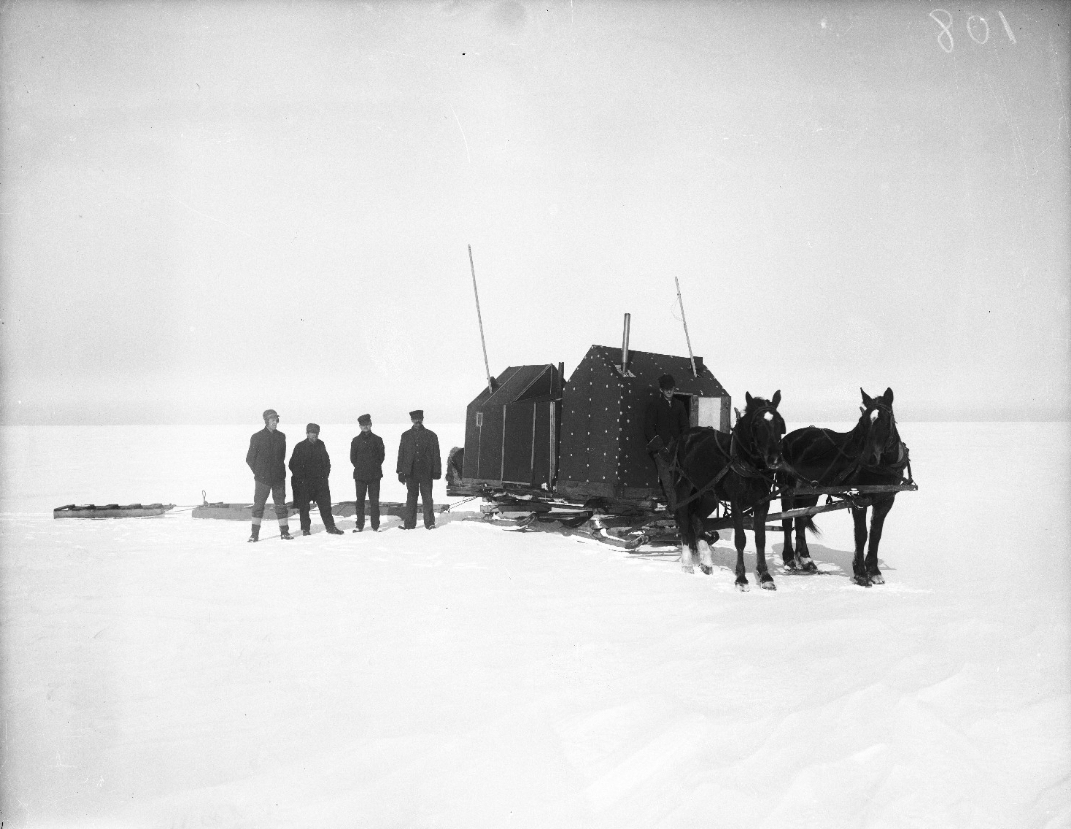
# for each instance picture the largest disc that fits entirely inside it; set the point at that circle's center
(646, 367)
(517, 383)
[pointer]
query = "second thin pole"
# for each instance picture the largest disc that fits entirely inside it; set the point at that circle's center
(687, 339)
(479, 318)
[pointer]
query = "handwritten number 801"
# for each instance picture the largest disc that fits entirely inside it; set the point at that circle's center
(977, 29)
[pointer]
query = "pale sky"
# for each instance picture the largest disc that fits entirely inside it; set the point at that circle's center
(212, 208)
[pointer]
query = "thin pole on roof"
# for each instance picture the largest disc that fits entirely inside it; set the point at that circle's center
(687, 339)
(479, 317)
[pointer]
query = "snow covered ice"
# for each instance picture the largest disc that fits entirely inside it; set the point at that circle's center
(163, 672)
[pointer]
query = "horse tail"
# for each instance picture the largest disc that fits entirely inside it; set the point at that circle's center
(810, 526)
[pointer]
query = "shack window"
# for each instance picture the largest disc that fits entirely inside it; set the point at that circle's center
(709, 412)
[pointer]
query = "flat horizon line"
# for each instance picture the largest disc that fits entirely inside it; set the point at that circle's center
(3, 424)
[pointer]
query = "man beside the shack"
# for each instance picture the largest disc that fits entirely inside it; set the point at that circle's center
(267, 458)
(311, 467)
(419, 463)
(665, 420)
(366, 455)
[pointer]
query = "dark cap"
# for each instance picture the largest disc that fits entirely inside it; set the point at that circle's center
(666, 381)
(416, 414)
(313, 427)
(364, 420)
(270, 413)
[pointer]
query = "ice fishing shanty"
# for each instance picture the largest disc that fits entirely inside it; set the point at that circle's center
(582, 439)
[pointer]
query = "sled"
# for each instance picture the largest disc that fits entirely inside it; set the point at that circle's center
(347, 509)
(110, 510)
(237, 512)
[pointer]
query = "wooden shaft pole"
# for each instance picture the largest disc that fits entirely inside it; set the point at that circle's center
(687, 339)
(479, 318)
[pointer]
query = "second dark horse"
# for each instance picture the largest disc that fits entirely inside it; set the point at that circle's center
(710, 467)
(872, 453)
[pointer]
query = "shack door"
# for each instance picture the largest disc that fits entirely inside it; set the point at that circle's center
(528, 436)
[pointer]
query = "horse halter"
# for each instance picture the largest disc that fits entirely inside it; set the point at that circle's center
(892, 440)
(736, 445)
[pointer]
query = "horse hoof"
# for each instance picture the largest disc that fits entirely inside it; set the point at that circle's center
(688, 568)
(862, 581)
(791, 565)
(742, 585)
(767, 583)
(706, 570)
(809, 566)
(877, 578)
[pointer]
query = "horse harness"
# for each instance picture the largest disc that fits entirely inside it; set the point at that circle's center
(903, 458)
(736, 464)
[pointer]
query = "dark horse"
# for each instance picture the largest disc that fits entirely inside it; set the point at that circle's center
(710, 467)
(872, 453)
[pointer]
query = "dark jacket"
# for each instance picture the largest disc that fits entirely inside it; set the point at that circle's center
(366, 455)
(267, 456)
(310, 461)
(418, 454)
(668, 420)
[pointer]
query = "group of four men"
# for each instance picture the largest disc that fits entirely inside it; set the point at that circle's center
(419, 463)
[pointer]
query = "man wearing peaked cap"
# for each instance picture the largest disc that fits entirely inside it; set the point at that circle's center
(311, 468)
(419, 463)
(366, 455)
(267, 458)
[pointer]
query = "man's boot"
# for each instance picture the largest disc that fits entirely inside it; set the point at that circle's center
(256, 534)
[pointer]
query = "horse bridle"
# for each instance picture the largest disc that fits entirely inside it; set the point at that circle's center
(893, 440)
(740, 466)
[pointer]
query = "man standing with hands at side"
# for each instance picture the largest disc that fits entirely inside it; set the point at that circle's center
(366, 455)
(311, 466)
(267, 458)
(419, 463)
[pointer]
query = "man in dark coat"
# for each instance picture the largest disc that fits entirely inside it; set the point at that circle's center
(664, 421)
(419, 463)
(311, 467)
(366, 455)
(267, 458)
(665, 416)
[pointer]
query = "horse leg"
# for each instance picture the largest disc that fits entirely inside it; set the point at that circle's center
(739, 539)
(766, 581)
(688, 541)
(877, 522)
(803, 550)
(788, 554)
(706, 561)
(858, 564)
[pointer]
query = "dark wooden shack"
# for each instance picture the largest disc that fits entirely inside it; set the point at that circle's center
(602, 448)
(511, 433)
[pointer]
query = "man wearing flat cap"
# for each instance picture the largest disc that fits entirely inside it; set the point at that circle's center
(311, 468)
(419, 463)
(267, 458)
(366, 455)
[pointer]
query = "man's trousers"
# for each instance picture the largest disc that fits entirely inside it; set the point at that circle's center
(421, 487)
(371, 489)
